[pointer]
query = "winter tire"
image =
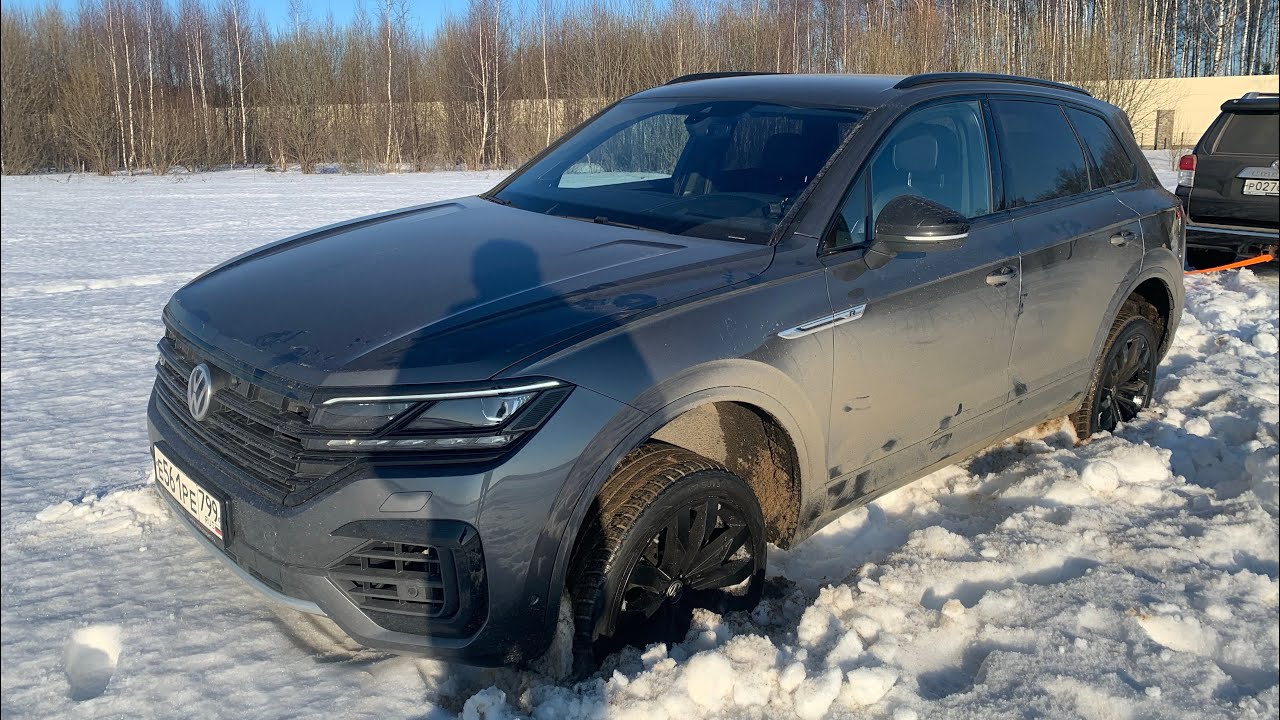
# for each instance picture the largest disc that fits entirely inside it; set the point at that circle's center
(1124, 377)
(673, 531)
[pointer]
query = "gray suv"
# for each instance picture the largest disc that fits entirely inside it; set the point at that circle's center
(715, 316)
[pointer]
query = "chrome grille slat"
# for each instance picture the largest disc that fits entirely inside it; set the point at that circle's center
(242, 431)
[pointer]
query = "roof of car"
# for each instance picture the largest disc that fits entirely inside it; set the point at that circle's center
(854, 91)
(833, 90)
(1254, 102)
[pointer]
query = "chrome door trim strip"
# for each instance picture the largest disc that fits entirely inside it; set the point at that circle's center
(824, 322)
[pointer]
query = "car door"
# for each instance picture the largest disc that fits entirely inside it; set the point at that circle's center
(1078, 243)
(921, 358)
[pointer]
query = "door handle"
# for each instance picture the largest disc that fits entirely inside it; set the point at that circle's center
(1002, 276)
(1121, 239)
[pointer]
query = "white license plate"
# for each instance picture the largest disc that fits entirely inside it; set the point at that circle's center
(195, 500)
(1262, 187)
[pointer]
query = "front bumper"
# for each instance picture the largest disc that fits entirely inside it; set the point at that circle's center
(484, 534)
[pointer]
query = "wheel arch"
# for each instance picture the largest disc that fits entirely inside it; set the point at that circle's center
(750, 385)
(1155, 284)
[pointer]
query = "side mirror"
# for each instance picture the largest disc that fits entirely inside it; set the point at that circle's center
(912, 224)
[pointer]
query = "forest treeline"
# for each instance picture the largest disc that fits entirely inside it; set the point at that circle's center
(156, 84)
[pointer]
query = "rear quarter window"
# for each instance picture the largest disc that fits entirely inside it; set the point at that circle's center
(1249, 134)
(1110, 160)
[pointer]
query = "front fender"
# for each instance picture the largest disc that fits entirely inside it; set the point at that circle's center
(740, 381)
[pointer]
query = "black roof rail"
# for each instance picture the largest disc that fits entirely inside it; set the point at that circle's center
(941, 77)
(1253, 102)
(713, 75)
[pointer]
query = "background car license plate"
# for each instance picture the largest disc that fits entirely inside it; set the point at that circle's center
(1261, 187)
(203, 507)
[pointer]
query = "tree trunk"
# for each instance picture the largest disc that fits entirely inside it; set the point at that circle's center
(128, 74)
(546, 75)
(244, 109)
(115, 81)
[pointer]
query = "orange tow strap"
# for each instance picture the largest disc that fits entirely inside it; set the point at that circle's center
(1234, 265)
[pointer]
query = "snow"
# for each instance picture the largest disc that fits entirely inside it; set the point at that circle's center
(1133, 576)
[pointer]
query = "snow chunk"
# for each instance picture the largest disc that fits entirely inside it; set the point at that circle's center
(868, 686)
(940, 542)
(1101, 476)
(121, 511)
(488, 704)
(708, 678)
(814, 696)
(1180, 634)
(791, 677)
(90, 660)
(848, 648)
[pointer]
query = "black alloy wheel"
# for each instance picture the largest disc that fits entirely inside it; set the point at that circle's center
(1124, 378)
(1126, 383)
(675, 531)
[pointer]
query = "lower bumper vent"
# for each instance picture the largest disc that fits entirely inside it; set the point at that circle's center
(395, 578)
(427, 577)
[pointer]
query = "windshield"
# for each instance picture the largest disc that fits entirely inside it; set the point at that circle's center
(719, 169)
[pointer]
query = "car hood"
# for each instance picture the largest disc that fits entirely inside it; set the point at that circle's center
(449, 292)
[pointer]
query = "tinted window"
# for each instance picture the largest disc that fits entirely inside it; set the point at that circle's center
(1250, 135)
(721, 169)
(1042, 159)
(939, 153)
(1110, 160)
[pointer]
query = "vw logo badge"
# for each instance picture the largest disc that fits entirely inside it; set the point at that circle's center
(199, 391)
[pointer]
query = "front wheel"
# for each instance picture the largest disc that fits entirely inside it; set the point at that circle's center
(674, 531)
(1124, 377)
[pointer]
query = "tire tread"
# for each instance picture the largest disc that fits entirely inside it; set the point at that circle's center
(640, 478)
(1133, 308)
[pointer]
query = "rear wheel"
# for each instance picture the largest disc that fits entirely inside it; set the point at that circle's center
(673, 531)
(1124, 377)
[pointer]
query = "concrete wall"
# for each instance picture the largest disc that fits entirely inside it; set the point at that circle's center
(1193, 104)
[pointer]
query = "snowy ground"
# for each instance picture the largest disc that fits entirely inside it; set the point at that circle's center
(1132, 577)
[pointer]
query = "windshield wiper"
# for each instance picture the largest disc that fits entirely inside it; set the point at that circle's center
(602, 220)
(498, 200)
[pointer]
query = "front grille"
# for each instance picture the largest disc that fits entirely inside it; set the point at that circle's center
(399, 578)
(248, 426)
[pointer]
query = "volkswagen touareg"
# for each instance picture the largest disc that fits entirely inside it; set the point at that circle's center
(712, 318)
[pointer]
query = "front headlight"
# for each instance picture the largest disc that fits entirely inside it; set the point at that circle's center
(459, 420)
(469, 413)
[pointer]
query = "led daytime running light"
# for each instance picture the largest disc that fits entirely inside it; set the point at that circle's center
(421, 442)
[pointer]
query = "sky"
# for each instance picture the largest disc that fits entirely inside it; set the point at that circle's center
(423, 14)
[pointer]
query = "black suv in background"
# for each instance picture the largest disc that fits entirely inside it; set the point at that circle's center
(717, 315)
(1229, 186)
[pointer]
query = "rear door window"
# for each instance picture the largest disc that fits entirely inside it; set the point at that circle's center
(1042, 158)
(1110, 161)
(1249, 135)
